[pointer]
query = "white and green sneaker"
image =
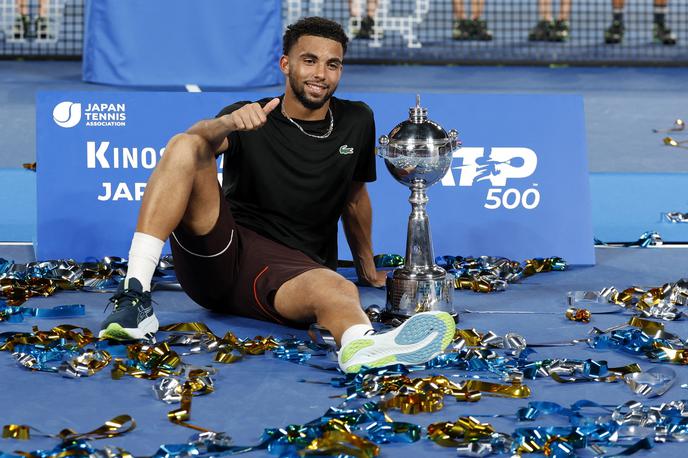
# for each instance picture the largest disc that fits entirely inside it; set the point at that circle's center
(418, 340)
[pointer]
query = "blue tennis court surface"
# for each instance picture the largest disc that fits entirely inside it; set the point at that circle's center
(260, 392)
(634, 177)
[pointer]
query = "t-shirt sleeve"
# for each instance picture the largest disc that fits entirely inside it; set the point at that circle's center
(365, 166)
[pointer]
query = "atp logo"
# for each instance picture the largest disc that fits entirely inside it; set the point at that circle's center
(67, 114)
(498, 167)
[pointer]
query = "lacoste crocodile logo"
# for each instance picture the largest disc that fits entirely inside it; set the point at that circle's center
(345, 149)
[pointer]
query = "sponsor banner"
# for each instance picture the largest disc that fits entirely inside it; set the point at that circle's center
(96, 151)
(518, 187)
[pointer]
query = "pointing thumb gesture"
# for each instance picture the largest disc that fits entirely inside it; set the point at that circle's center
(271, 105)
(251, 116)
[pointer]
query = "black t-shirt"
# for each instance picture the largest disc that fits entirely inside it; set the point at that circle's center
(292, 188)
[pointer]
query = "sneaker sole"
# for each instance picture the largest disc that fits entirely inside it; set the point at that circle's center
(436, 328)
(145, 328)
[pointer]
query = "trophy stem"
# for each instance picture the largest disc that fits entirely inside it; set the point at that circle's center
(419, 252)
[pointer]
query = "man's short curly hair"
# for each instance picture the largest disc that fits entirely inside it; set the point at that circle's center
(315, 26)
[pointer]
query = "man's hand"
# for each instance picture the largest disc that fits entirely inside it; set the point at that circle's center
(379, 279)
(251, 116)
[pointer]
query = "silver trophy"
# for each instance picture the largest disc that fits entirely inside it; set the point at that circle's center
(418, 152)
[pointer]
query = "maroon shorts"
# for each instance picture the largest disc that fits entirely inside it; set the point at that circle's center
(234, 270)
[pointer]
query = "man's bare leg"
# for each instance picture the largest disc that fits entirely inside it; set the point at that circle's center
(477, 8)
(324, 296)
(371, 8)
(564, 10)
(23, 7)
(457, 10)
(331, 300)
(182, 189)
(545, 10)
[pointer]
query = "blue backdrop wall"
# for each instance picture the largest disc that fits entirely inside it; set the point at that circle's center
(233, 44)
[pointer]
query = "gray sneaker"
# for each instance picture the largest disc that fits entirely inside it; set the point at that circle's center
(132, 317)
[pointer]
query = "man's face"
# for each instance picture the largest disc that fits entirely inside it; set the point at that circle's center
(313, 69)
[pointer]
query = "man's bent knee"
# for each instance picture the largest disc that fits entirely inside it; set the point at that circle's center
(347, 287)
(324, 284)
(187, 148)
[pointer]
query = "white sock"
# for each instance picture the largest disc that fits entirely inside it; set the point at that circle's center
(144, 255)
(354, 332)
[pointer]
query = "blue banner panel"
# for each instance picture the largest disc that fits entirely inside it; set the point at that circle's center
(96, 152)
(233, 44)
(518, 188)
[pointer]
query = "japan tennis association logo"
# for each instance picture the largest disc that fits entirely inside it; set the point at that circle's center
(500, 166)
(67, 114)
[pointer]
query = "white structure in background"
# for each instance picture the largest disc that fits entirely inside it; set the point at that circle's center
(41, 29)
(384, 22)
(295, 9)
(403, 24)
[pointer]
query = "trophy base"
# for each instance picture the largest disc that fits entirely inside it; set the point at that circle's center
(407, 297)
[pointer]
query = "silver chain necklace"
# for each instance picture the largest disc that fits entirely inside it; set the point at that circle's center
(325, 135)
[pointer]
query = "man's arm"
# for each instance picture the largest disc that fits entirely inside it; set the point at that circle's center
(214, 132)
(357, 220)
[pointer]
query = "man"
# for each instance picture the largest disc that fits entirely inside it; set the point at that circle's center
(362, 28)
(660, 32)
(267, 247)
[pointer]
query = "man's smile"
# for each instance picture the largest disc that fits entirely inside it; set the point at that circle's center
(317, 88)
